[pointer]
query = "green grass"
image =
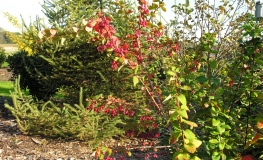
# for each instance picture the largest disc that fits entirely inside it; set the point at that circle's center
(6, 87)
(5, 64)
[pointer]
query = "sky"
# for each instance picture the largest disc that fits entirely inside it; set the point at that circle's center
(26, 8)
(30, 8)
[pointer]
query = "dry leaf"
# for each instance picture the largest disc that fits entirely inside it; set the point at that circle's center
(36, 141)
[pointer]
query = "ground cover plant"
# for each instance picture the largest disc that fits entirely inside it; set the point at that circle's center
(205, 90)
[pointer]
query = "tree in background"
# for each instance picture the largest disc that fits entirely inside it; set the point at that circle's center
(4, 39)
(2, 56)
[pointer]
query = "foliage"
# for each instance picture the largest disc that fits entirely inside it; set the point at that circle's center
(72, 62)
(35, 75)
(62, 120)
(2, 56)
(3, 38)
(196, 79)
(206, 89)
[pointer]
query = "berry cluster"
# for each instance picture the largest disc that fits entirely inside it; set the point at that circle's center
(144, 135)
(112, 106)
(195, 66)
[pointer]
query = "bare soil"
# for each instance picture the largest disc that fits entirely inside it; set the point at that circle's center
(15, 145)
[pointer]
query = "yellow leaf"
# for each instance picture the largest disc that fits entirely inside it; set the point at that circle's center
(190, 148)
(129, 153)
(197, 143)
(135, 80)
(193, 124)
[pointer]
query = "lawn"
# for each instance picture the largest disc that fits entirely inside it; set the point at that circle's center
(5, 64)
(6, 87)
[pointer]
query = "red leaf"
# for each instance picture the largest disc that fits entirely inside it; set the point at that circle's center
(257, 136)
(260, 124)
(248, 157)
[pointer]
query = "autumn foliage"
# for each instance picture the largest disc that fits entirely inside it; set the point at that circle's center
(204, 91)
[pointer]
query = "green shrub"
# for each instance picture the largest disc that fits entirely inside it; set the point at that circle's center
(62, 120)
(47, 66)
(35, 75)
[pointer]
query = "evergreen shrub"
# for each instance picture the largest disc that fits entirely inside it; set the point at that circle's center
(35, 75)
(62, 120)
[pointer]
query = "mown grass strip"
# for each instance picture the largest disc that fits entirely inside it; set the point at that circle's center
(6, 87)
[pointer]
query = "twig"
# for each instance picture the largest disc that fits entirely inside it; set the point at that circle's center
(145, 147)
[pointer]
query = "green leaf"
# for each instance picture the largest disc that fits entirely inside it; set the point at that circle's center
(214, 133)
(182, 99)
(153, 6)
(201, 79)
(215, 157)
(170, 73)
(181, 156)
(187, 3)
(174, 137)
(220, 129)
(213, 141)
(184, 107)
(226, 126)
(229, 147)
(215, 122)
(221, 145)
(213, 64)
(215, 153)
(135, 80)
(164, 9)
(136, 69)
(186, 88)
(104, 149)
(223, 156)
(173, 115)
(101, 156)
(189, 135)
(219, 93)
(182, 113)
(196, 158)
(260, 96)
